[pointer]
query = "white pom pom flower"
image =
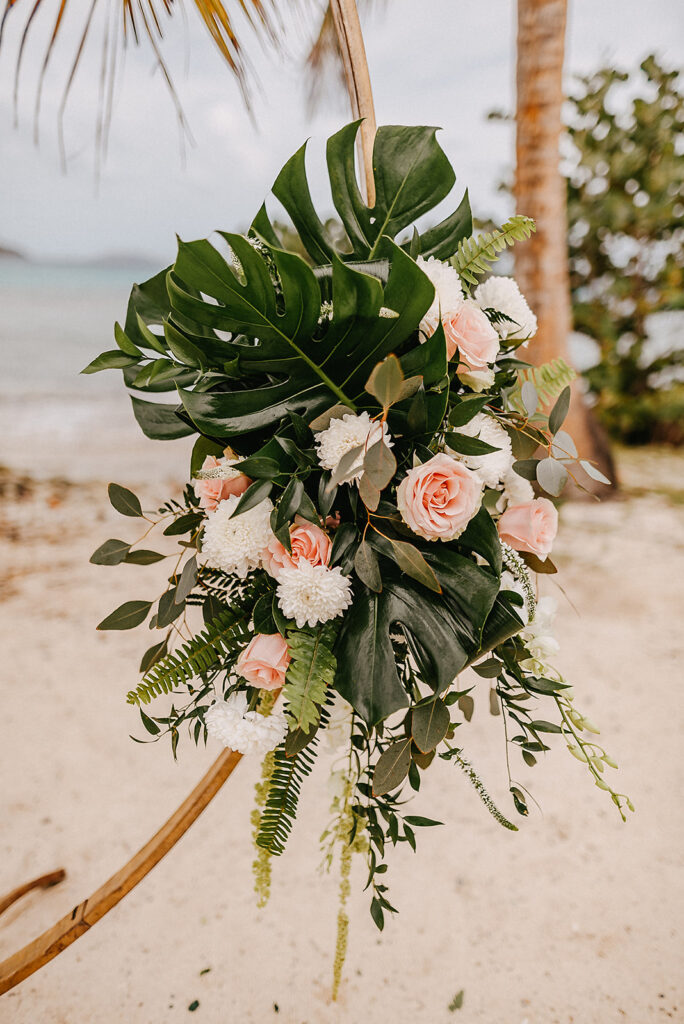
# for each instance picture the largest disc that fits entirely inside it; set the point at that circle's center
(235, 545)
(503, 295)
(448, 293)
(247, 732)
(492, 467)
(346, 433)
(310, 594)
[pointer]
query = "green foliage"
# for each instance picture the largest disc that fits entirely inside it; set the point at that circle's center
(474, 256)
(626, 241)
(280, 810)
(223, 637)
(549, 380)
(466, 767)
(310, 674)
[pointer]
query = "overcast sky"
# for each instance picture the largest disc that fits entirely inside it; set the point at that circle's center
(441, 62)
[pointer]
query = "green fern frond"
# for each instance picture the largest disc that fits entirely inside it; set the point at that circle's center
(549, 380)
(474, 255)
(311, 671)
(224, 636)
(278, 816)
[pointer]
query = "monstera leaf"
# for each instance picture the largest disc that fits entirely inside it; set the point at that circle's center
(412, 175)
(236, 327)
(445, 631)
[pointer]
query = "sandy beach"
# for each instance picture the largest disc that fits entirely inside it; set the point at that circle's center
(575, 919)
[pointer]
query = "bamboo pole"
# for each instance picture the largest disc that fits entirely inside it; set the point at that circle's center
(60, 936)
(350, 38)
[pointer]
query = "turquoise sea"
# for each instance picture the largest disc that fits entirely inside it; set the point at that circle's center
(53, 320)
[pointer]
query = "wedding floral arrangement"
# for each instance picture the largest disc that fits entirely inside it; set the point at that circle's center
(368, 507)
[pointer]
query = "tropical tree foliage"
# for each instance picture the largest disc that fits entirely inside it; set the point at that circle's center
(626, 241)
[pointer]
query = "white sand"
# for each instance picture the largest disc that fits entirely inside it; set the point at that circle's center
(576, 918)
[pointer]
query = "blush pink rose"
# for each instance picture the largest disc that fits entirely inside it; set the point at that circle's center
(308, 542)
(211, 492)
(438, 499)
(530, 527)
(264, 661)
(468, 330)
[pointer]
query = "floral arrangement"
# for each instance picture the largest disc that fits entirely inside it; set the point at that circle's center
(361, 524)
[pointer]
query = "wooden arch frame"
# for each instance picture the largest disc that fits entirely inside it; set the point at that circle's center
(64, 932)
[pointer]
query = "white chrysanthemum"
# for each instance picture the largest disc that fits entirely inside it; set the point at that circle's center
(493, 467)
(248, 732)
(346, 433)
(448, 292)
(516, 491)
(235, 545)
(503, 295)
(310, 594)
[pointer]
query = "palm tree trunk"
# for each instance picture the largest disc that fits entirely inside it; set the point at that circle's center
(541, 264)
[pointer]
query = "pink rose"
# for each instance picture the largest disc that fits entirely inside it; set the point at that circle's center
(210, 492)
(308, 542)
(438, 499)
(468, 330)
(530, 527)
(264, 661)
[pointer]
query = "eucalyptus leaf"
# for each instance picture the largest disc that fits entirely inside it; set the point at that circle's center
(385, 382)
(563, 446)
(530, 398)
(429, 723)
(110, 553)
(124, 501)
(379, 465)
(143, 557)
(594, 472)
(552, 476)
(187, 580)
(127, 616)
(560, 410)
(392, 767)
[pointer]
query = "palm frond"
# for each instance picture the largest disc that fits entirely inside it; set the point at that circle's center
(141, 21)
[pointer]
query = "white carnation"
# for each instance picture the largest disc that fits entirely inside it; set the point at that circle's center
(310, 594)
(346, 433)
(503, 295)
(235, 545)
(516, 490)
(448, 292)
(493, 467)
(247, 732)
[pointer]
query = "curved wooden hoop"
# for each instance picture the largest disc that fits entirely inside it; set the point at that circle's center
(48, 945)
(52, 942)
(43, 882)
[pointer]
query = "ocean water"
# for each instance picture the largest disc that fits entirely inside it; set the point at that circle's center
(54, 421)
